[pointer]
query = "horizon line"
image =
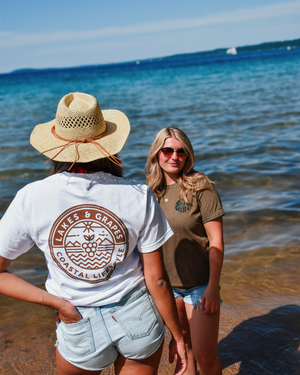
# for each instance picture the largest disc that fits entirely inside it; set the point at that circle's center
(152, 58)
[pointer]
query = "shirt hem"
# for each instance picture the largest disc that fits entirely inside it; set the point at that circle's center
(214, 216)
(158, 243)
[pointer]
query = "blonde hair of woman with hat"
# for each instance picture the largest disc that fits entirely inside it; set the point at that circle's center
(101, 236)
(194, 255)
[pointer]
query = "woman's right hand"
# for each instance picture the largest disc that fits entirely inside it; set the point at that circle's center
(178, 349)
(67, 313)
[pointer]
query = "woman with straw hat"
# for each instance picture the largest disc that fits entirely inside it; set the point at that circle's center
(101, 236)
(194, 254)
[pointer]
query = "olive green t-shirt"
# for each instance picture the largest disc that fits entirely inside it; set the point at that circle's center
(186, 253)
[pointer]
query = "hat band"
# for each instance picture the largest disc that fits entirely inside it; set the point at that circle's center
(91, 140)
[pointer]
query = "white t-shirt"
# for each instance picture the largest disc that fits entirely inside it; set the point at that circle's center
(91, 228)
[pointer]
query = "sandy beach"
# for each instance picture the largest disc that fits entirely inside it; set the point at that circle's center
(259, 329)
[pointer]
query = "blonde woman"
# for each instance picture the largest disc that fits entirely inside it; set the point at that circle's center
(101, 235)
(194, 255)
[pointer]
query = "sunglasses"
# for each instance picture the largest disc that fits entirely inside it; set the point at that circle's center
(168, 152)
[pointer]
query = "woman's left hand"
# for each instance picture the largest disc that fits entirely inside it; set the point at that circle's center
(210, 300)
(67, 313)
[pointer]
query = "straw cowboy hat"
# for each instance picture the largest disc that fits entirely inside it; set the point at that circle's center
(81, 132)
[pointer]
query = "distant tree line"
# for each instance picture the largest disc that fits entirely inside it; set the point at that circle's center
(256, 47)
(270, 45)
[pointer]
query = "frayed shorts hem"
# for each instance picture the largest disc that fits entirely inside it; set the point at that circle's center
(192, 296)
(80, 365)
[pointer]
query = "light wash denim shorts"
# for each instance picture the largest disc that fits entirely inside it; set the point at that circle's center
(132, 327)
(191, 296)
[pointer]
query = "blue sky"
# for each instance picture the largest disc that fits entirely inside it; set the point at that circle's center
(66, 33)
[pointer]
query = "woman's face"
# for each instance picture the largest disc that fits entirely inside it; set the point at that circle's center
(171, 165)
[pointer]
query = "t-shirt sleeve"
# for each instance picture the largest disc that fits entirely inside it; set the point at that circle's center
(156, 229)
(14, 239)
(210, 204)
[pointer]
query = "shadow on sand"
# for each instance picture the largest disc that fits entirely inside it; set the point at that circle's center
(267, 344)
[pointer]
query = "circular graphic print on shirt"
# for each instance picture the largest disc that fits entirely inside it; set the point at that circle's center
(87, 242)
(182, 206)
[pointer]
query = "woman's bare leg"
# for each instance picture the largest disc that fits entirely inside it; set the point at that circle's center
(204, 328)
(147, 366)
(192, 366)
(66, 368)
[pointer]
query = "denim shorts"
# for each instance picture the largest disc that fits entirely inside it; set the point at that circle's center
(132, 327)
(191, 296)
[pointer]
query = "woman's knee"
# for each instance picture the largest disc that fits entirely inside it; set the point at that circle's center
(206, 359)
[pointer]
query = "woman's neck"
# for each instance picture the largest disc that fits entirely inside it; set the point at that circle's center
(170, 179)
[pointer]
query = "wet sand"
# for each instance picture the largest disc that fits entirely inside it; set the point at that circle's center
(259, 328)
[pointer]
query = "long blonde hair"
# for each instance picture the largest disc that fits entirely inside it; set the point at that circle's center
(190, 180)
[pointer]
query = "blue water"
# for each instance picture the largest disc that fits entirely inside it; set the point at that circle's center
(241, 112)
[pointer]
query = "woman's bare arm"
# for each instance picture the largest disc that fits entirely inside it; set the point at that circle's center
(158, 284)
(214, 230)
(15, 287)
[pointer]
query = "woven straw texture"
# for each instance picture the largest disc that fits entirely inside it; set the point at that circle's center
(78, 117)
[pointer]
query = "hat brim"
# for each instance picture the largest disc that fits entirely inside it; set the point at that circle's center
(118, 128)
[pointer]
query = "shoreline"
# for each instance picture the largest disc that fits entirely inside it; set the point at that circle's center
(259, 326)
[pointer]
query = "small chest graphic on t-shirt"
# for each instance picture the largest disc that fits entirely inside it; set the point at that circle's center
(87, 242)
(182, 206)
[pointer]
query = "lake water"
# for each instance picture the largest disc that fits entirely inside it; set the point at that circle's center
(242, 115)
